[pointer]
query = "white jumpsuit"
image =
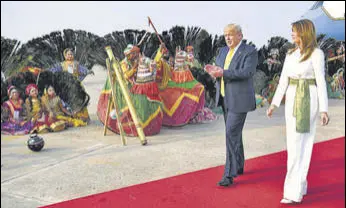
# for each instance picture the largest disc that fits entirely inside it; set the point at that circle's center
(299, 145)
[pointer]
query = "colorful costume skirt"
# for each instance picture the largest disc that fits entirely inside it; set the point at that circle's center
(146, 102)
(43, 125)
(182, 99)
(72, 122)
(10, 128)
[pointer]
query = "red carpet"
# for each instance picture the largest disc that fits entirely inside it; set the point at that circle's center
(260, 186)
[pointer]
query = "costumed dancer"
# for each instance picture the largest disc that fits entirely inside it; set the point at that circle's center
(164, 69)
(139, 73)
(184, 96)
(129, 67)
(191, 61)
(14, 115)
(72, 66)
(205, 115)
(79, 72)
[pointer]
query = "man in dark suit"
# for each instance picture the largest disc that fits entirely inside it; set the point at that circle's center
(236, 65)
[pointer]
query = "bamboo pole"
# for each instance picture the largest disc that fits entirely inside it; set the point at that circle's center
(125, 91)
(107, 117)
(113, 101)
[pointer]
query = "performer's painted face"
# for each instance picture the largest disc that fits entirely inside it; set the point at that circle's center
(190, 56)
(69, 56)
(33, 92)
(171, 61)
(51, 91)
(14, 94)
(133, 56)
(152, 66)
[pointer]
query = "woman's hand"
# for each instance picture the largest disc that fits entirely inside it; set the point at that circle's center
(51, 116)
(324, 118)
(270, 111)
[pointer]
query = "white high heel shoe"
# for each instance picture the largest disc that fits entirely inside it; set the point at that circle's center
(288, 201)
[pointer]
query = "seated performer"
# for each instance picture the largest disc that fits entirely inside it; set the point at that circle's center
(42, 123)
(14, 115)
(184, 96)
(53, 105)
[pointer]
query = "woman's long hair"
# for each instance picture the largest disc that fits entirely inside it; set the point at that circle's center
(307, 33)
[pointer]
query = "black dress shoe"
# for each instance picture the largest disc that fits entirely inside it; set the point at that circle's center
(240, 171)
(225, 181)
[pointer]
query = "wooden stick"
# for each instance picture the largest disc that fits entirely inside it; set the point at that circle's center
(336, 57)
(141, 41)
(151, 23)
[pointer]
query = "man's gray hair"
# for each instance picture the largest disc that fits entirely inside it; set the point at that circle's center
(233, 26)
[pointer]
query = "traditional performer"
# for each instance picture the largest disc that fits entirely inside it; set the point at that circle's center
(143, 91)
(72, 66)
(273, 62)
(53, 105)
(164, 69)
(129, 64)
(14, 115)
(191, 61)
(42, 123)
(79, 72)
(184, 96)
(205, 114)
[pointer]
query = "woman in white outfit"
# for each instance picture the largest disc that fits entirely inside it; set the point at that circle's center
(303, 81)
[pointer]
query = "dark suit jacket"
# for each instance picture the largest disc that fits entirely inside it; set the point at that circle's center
(238, 79)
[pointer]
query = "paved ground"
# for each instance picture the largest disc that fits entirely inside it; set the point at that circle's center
(81, 161)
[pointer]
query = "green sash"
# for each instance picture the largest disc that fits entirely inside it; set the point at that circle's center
(301, 108)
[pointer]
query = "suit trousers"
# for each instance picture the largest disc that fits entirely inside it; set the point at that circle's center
(234, 142)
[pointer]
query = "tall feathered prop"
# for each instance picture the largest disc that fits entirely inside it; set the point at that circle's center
(12, 60)
(21, 80)
(118, 41)
(77, 98)
(47, 50)
(277, 45)
(4, 87)
(179, 36)
(250, 43)
(203, 47)
(336, 58)
(330, 46)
